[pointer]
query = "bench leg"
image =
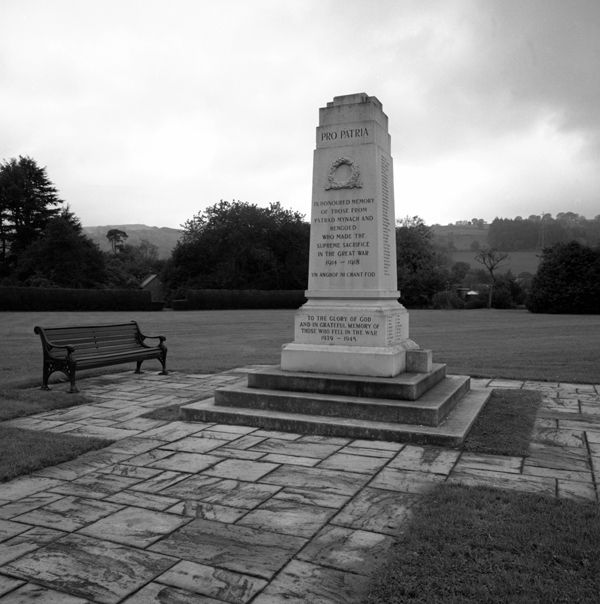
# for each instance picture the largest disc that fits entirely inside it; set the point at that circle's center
(163, 362)
(45, 377)
(138, 367)
(74, 388)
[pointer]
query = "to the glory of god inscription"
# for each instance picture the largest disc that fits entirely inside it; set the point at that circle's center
(352, 322)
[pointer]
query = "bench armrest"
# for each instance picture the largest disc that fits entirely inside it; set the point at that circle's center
(47, 345)
(161, 338)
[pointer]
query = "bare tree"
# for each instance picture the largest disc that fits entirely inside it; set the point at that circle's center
(491, 259)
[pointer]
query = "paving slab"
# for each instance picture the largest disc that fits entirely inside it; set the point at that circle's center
(289, 517)
(27, 485)
(26, 504)
(344, 483)
(7, 584)
(311, 496)
(10, 528)
(186, 462)
(90, 568)
(27, 542)
(238, 548)
(36, 593)
(160, 482)
(157, 593)
(191, 444)
(363, 464)
(378, 510)
(347, 549)
(134, 526)
(241, 469)
(225, 585)
(95, 485)
(69, 513)
(211, 489)
(208, 511)
(425, 459)
(406, 481)
(142, 500)
(301, 582)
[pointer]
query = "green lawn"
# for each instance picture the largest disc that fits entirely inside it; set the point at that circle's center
(24, 451)
(488, 545)
(18, 402)
(496, 343)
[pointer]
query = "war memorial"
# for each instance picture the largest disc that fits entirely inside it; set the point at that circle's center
(352, 369)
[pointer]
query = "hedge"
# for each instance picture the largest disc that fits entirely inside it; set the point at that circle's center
(38, 298)
(221, 299)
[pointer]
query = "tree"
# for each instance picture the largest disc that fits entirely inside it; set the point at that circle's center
(236, 245)
(28, 200)
(459, 271)
(117, 239)
(567, 280)
(132, 264)
(63, 256)
(421, 267)
(491, 260)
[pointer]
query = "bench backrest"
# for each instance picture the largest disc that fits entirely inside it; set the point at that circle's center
(93, 338)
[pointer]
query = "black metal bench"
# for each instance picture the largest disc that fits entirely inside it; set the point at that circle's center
(68, 349)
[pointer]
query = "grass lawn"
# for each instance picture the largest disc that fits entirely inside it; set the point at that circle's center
(488, 545)
(494, 343)
(24, 451)
(16, 402)
(505, 425)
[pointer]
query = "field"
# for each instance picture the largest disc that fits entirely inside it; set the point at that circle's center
(494, 343)
(517, 262)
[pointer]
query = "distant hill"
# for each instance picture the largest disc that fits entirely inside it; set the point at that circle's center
(164, 238)
(460, 236)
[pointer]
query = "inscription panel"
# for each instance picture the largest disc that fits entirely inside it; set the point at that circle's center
(351, 328)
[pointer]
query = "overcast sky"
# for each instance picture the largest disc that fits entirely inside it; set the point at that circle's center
(149, 111)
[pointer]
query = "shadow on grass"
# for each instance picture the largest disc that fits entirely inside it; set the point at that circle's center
(505, 425)
(24, 451)
(487, 545)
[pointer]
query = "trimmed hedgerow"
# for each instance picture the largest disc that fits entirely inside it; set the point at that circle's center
(38, 298)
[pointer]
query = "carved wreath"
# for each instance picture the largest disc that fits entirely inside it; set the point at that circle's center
(352, 182)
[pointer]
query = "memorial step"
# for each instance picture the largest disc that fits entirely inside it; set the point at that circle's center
(405, 386)
(429, 410)
(450, 433)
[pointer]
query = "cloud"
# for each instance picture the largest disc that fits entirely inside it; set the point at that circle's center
(148, 111)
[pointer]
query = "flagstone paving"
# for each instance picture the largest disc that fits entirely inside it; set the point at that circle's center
(199, 512)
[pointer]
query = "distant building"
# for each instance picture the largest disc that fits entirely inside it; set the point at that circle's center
(154, 285)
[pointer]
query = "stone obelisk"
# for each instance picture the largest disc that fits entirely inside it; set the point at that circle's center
(352, 322)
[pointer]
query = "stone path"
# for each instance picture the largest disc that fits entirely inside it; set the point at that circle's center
(177, 512)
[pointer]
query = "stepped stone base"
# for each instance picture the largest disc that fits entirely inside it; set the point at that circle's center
(411, 407)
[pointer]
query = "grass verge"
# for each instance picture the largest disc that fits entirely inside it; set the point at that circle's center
(505, 425)
(487, 545)
(24, 451)
(18, 403)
